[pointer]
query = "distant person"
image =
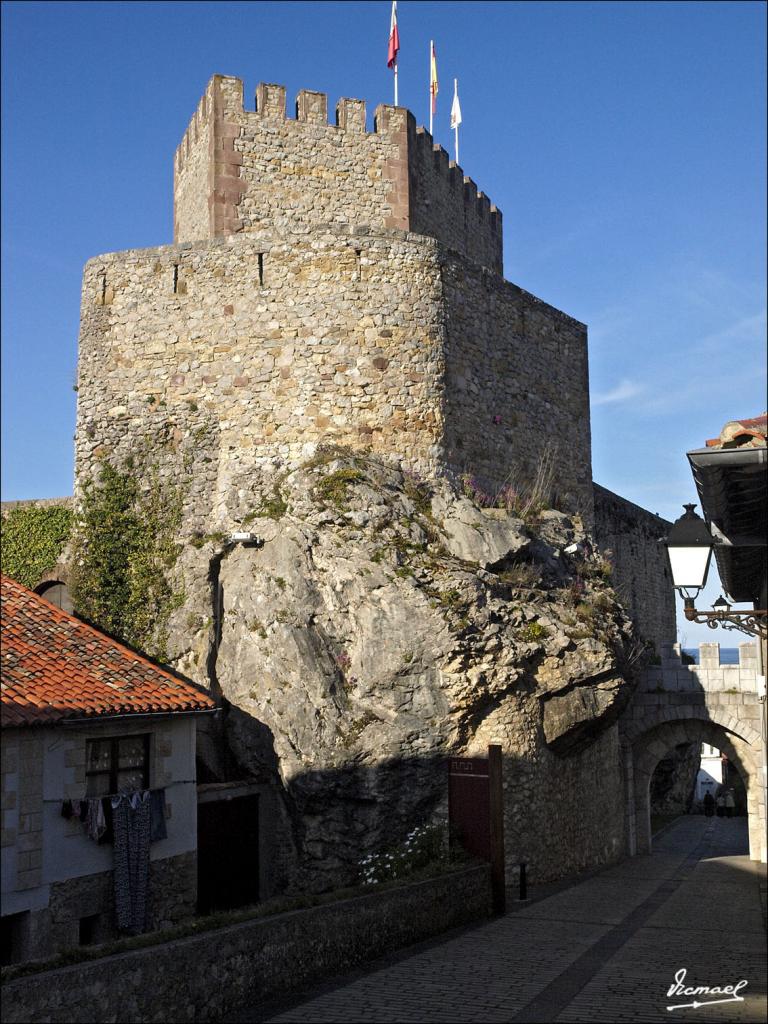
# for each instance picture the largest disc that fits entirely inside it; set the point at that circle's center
(709, 805)
(720, 805)
(730, 804)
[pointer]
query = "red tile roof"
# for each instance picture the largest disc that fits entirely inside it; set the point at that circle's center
(55, 667)
(741, 433)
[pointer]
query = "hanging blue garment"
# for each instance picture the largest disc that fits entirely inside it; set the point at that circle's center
(131, 824)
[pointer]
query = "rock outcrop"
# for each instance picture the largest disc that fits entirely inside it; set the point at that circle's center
(381, 623)
(674, 781)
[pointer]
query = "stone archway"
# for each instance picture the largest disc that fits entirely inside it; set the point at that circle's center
(646, 743)
(57, 592)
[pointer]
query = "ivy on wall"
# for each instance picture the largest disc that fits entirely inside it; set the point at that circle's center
(124, 548)
(32, 539)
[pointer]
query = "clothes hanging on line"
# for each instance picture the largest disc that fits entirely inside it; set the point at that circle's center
(95, 820)
(131, 824)
(94, 813)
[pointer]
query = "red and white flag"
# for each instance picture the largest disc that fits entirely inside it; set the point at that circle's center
(394, 38)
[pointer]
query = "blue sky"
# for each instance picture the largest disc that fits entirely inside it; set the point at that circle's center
(624, 143)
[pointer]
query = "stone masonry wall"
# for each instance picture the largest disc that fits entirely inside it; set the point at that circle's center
(562, 815)
(22, 809)
(202, 977)
(308, 172)
(381, 341)
(640, 571)
(171, 898)
(516, 385)
(705, 703)
(238, 170)
(341, 343)
(193, 165)
(253, 170)
(447, 205)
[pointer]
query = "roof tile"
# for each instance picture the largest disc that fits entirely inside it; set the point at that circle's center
(55, 667)
(742, 433)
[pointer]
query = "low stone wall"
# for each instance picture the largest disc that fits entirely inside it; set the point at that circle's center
(204, 977)
(10, 506)
(709, 676)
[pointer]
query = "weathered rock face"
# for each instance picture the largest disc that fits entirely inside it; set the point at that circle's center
(674, 780)
(383, 624)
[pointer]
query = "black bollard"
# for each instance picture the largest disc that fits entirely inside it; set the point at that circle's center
(523, 882)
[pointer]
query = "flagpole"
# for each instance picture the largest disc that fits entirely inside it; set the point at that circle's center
(456, 126)
(431, 45)
(394, 44)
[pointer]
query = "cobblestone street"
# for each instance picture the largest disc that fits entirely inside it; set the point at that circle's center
(606, 949)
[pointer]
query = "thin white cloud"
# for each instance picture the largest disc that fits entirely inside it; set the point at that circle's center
(745, 329)
(735, 386)
(624, 389)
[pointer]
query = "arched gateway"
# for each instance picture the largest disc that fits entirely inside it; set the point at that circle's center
(706, 703)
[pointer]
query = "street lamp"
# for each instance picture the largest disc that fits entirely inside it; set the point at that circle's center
(689, 548)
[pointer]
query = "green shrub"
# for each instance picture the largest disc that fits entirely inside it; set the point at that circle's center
(602, 602)
(585, 613)
(124, 546)
(522, 576)
(419, 492)
(332, 489)
(273, 506)
(533, 632)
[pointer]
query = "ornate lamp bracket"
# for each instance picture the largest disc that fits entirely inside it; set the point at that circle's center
(753, 623)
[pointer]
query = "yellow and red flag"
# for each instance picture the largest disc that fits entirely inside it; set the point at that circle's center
(394, 38)
(433, 87)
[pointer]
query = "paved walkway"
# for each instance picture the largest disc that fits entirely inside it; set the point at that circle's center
(606, 949)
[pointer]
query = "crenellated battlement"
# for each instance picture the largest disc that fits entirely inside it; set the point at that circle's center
(243, 170)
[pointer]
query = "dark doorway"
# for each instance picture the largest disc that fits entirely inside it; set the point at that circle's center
(57, 593)
(227, 853)
(13, 938)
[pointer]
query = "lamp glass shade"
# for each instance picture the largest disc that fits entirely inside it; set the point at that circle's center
(689, 565)
(689, 546)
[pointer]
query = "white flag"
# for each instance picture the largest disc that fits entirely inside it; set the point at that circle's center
(455, 108)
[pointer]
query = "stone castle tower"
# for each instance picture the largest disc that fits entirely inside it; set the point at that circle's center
(333, 286)
(327, 284)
